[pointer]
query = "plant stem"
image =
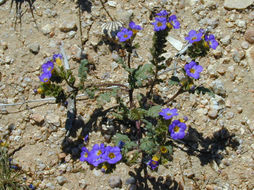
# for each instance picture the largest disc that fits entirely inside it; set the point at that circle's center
(106, 11)
(174, 96)
(130, 79)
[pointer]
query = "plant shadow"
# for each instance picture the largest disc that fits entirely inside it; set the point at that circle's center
(160, 183)
(19, 14)
(85, 5)
(210, 148)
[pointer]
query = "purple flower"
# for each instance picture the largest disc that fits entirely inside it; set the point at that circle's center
(162, 13)
(134, 27)
(96, 154)
(85, 155)
(124, 34)
(173, 22)
(211, 42)
(194, 36)
(112, 154)
(86, 138)
(154, 162)
(168, 114)
(160, 23)
(193, 69)
(121, 144)
(58, 59)
(47, 67)
(177, 130)
(45, 76)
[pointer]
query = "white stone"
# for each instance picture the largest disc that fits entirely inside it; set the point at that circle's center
(237, 4)
(112, 3)
(174, 42)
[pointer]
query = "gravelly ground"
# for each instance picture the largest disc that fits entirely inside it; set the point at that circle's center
(224, 123)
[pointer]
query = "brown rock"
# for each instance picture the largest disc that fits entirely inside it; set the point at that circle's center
(37, 118)
(249, 35)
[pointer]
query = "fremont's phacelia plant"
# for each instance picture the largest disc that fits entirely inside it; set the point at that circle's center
(168, 113)
(193, 69)
(47, 67)
(210, 41)
(154, 162)
(124, 34)
(162, 13)
(112, 154)
(160, 23)
(194, 36)
(173, 22)
(134, 27)
(177, 130)
(45, 76)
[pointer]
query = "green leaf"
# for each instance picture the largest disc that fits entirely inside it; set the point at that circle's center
(147, 145)
(143, 72)
(203, 90)
(136, 113)
(154, 111)
(173, 81)
(82, 71)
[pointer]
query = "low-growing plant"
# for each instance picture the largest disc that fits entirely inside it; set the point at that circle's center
(152, 124)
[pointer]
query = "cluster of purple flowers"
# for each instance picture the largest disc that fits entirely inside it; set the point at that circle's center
(193, 69)
(125, 34)
(47, 68)
(177, 128)
(163, 21)
(100, 154)
(208, 40)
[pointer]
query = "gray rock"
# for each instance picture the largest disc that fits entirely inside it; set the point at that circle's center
(61, 180)
(213, 22)
(237, 4)
(229, 115)
(130, 180)
(53, 119)
(124, 16)
(111, 3)
(245, 45)
(68, 26)
(213, 113)
(37, 118)
(133, 187)
(218, 88)
(34, 48)
(47, 29)
(241, 23)
(249, 35)
(50, 186)
(82, 183)
(115, 181)
(238, 55)
(226, 40)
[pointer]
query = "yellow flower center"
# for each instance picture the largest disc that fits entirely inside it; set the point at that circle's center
(169, 25)
(59, 62)
(206, 44)
(159, 24)
(176, 129)
(39, 90)
(86, 155)
(125, 35)
(98, 153)
(192, 70)
(111, 155)
(45, 79)
(49, 68)
(194, 38)
(155, 158)
(134, 31)
(164, 149)
(168, 114)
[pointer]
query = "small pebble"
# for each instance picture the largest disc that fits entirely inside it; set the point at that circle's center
(249, 35)
(34, 48)
(61, 180)
(115, 181)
